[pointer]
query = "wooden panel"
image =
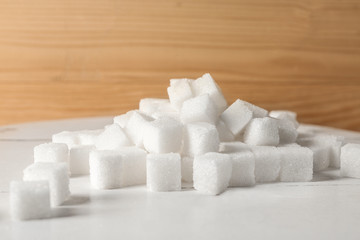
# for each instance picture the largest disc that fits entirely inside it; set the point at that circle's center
(62, 58)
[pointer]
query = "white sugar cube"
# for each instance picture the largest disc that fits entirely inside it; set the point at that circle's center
(262, 132)
(69, 138)
(105, 169)
(88, 137)
(152, 105)
(179, 91)
(350, 160)
(163, 135)
(207, 85)
(258, 112)
(225, 135)
(232, 147)
(296, 164)
(285, 115)
(200, 138)
(237, 116)
(29, 200)
(287, 131)
(133, 169)
(267, 164)
(243, 169)
(123, 118)
(57, 175)
(135, 127)
(163, 172)
(187, 169)
(79, 159)
(321, 157)
(51, 152)
(113, 137)
(335, 152)
(212, 173)
(199, 109)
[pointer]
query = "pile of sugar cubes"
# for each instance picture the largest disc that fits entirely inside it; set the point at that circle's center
(193, 137)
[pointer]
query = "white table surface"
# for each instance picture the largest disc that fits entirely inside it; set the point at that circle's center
(326, 208)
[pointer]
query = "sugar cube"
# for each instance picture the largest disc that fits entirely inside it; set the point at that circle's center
(285, 115)
(262, 132)
(179, 91)
(321, 157)
(243, 169)
(287, 131)
(225, 135)
(296, 164)
(79, 159)
(88, 137)
(57, 175)
(350, 160)
(51, 152)
(267, 164)
(237, 116)
(113, 137)
(187, 168)
(199, 109)
(29, 200)
(163, 172)
(135, 127)
(123, 118)
(163, 135)
(152, 105)
(200, 138)
(207, 85)
(69, 138)
(212, 173)
(232, 147)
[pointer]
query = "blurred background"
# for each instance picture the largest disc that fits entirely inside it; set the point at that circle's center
(66, 59)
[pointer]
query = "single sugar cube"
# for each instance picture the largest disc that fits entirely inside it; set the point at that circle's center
(200, 138)
(350, 160)
(88, 137)
(335, 153)
(199, 109)
(135, 127)
(285, 115)
(212, 173)
(321, 157)
(123, 118)
(287, 131)
(232, 147)
(105, 169)
(152, 105)
(258, 112)
(262, 132)
(113, 137)
(296, 164)
(267, 163)
(187, 169)
(51, 152)
(237, 116)
(133, 168)
(69, 138)
(207, 85)
(243, 169)
(29, 200)
(163, 172)
(179, 91)
(56, 174)
(79, 159)
(225, 135)
(163, 135)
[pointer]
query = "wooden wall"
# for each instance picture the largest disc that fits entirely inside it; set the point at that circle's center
(65, 58)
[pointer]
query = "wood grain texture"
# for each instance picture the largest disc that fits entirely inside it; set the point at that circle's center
(61, 58)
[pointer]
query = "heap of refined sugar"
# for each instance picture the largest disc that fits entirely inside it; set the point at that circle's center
(287, 131)
(79, 159)
(207, 85)
(231, 147)
(200, 138)
(135, 127)
(179, 91)
(163, 135)
(163, 172)
(350, 160)
(187, 168)
(133, 168)
(267, 163)
(51, 152)
(225, 135)
(237, 116)
(285, 115)
(262, 132)
(105, 169)
(243, 169)
(112, 138)
(296, 164)
(29, 200)
(56, 174)
(212, 173)
(199, 109)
